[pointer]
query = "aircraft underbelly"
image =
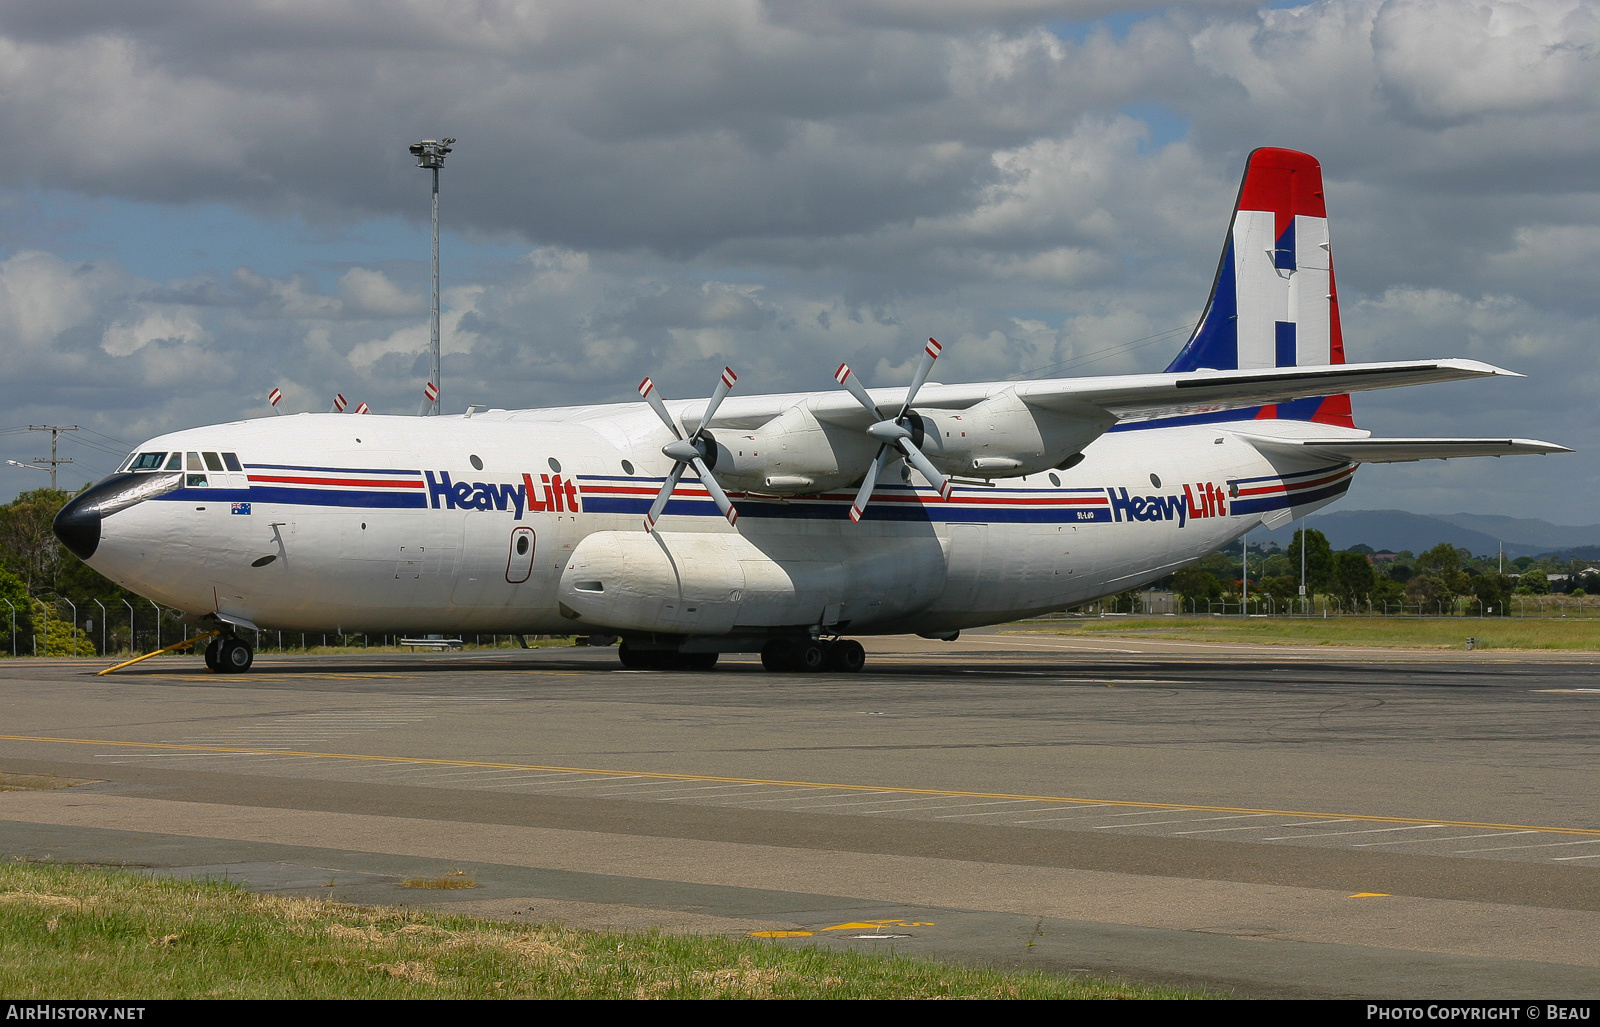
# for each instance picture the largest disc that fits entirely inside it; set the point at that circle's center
(715, 583)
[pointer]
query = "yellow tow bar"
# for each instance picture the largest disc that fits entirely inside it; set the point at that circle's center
(186, 643)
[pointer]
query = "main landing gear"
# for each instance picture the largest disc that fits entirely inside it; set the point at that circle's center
(664, 659)
(785, 655)
(227, 654)
(789, 655)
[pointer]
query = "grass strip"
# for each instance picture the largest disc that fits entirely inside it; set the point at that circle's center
(93, 934)
(1573, 633)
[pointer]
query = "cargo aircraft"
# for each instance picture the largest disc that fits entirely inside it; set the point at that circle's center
(779, 524)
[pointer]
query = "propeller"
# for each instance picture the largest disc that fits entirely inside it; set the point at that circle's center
(690, 451)
(893, 433)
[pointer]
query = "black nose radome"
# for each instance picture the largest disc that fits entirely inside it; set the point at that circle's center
(78, 525)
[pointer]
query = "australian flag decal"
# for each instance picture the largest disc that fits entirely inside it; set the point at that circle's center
(242, 508)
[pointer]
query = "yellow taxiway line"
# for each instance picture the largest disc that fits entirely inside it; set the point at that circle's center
(777, 782)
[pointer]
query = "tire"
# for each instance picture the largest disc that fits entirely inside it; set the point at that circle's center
(632, 658)
(214, 654)
(235, 656)
(778, 656)
(847, 655)
(810, 657)
(695, 661)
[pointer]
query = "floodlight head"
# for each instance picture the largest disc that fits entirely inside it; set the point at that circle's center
(430, 153)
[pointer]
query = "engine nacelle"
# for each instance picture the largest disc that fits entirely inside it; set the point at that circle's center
(793, 454)
(1003, 437)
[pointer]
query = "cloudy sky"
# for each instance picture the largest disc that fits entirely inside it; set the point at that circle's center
(203, 199)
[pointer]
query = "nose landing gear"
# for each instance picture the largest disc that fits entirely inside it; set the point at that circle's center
(227, 654)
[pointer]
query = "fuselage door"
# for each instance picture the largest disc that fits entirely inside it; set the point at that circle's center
(519, 564)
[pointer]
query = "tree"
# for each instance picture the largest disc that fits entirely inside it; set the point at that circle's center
(1437, 578)
(30, 551)
(1196, 587)
(1352, 577)
(1534, 582)
(1319, 558)
(21, 612)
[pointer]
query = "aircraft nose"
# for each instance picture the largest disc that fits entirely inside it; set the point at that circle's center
(78, 525)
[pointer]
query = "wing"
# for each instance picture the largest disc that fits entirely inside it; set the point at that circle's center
(1135, 397)
(1391, 451)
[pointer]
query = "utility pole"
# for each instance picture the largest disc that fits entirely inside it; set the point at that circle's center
(430, 154)
(1245, 592)
(55, 431)
(1303, 566)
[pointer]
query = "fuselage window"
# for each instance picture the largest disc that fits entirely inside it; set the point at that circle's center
(232, 461)
(627, 467)
(555, 465)
(147, 462)
(213, 462)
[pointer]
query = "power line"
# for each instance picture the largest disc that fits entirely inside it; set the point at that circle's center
(1098, 355)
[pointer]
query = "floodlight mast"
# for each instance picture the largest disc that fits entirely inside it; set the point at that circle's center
(430, 154)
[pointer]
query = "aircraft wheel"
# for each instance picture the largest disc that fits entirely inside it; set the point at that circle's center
(235, 656)
(810, 657)
(778, 655)
(846, 655)
(695, 661)
(214, 654)
(634, 659)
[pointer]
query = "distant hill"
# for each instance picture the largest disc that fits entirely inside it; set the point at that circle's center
(1481, 533)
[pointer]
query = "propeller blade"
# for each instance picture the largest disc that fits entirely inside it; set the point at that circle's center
(717, 494)
(915, 458)
(647, 389)
(930, 353)
(868, 483)
(661, 497)
(717, 396)
(844, 376)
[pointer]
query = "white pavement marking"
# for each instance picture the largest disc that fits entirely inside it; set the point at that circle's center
(1542, 845)
(1197, 820)
(1339, 834)
(1452, 838)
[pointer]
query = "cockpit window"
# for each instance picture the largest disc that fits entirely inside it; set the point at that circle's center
(176, 463)
(232, 461)
(194, 462)
(147, 461)
(213, 462)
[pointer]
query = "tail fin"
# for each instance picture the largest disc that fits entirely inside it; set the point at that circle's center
(1273, 303)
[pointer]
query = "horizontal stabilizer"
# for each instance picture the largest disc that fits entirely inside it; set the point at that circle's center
(1391, 451)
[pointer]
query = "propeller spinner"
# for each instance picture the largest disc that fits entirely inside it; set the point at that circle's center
(893, 433)
(690, 451)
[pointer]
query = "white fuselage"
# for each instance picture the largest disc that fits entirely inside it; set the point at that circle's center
(429, 524)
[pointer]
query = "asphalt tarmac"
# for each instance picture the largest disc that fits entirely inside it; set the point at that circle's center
(1260, 820)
